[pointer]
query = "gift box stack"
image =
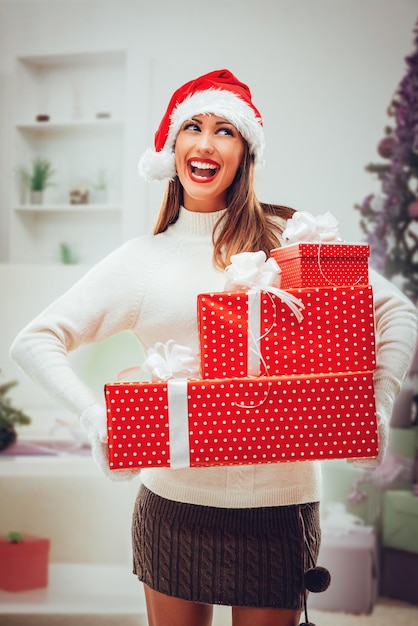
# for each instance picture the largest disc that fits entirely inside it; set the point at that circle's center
(400, 503)
(285, 375)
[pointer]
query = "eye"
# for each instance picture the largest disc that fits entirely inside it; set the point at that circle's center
(226, 130)
(190, 126)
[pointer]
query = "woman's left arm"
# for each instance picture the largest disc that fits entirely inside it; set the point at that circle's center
(396, 338)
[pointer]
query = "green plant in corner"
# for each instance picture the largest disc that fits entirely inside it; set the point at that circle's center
(10, 417)
(41, 175)
(36, 179)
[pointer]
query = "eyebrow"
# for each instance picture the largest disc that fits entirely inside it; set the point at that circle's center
(219, 122)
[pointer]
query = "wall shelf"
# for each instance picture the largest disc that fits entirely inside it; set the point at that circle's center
(70, 124)
(44, 466)
(84, 97)
(82, 589)
(43, 458)
(58, 208)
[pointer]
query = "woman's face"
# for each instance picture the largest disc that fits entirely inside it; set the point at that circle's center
(208, 152)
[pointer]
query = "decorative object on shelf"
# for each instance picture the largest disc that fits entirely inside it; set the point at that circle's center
(79, 195)
(389, 217)
(100, 185)
(24, 561)
(38, 178)
(23, 178)
(67, 255)
(42, 118)
(9, 417)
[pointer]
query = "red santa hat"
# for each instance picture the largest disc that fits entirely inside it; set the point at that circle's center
(218, 92)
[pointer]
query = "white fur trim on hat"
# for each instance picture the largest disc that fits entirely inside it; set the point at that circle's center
(161, 165)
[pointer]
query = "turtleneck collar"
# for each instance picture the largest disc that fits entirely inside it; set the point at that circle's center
(193, 223)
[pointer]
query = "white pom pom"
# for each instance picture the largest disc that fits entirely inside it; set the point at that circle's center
(157, 165)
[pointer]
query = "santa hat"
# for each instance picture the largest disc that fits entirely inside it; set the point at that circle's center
(218, 92)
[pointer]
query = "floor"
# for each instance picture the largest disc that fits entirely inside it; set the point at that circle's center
(386, 613)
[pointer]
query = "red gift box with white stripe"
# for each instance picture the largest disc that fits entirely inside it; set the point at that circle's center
(182, 423)
(323, 264)
(254, 332)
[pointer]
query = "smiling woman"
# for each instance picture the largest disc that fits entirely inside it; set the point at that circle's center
(245, 536)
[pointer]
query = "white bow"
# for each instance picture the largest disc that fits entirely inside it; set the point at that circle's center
(248, 269)
(166, 361)
(305, 227)
(171, 360)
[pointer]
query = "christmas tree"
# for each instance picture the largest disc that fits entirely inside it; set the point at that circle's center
(390, 217)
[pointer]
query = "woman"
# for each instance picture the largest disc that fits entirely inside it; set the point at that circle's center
(240, 536)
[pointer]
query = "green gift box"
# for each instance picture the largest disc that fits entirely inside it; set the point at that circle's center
(400, 521)
(339, 480)
(404, 441)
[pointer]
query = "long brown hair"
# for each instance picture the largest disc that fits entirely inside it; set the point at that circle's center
(248, 224)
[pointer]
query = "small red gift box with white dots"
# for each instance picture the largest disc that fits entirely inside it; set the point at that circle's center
(323, 264)
(336, 334)
(182, 423)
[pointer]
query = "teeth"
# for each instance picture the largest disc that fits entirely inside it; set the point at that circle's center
(203, 166)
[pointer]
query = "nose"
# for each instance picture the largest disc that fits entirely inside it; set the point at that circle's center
(205, 143)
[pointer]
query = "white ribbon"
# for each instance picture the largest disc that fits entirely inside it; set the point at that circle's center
(178, 423)
(173, 363)
(250, 271)
(305, 227)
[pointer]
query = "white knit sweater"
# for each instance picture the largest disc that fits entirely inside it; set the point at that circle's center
(149, 285)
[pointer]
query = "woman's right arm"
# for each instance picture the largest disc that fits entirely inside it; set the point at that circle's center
(104, 302)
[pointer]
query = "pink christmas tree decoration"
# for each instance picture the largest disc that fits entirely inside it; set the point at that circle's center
(390, 217)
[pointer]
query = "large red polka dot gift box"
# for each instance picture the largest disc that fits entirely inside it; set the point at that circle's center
(314, 256)
(192, 423)
(256, 333)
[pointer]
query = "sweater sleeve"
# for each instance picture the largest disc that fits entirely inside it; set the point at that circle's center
(396, 337)
(102, 303)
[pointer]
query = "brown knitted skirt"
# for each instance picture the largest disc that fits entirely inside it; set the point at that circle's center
(237, 557)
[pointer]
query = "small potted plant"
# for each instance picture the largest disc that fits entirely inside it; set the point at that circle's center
(100, 186)
(9, 417)
(38, 178)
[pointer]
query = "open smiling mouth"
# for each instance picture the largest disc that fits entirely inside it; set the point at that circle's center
(203, 171)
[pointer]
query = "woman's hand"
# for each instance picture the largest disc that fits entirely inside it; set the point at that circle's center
(384, 407)
(93, 421)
